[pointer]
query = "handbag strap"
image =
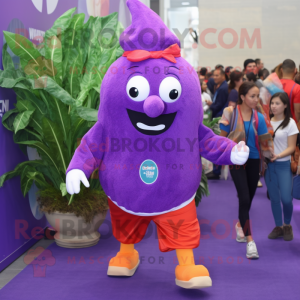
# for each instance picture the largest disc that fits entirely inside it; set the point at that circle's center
(233, 118)
(277, 129)
(256, 119)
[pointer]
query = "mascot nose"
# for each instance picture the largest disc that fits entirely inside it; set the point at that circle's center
(153, 106)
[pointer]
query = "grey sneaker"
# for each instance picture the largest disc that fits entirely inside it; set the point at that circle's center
(288, 233)
(276, 233)
(252, 250)
(240, 237)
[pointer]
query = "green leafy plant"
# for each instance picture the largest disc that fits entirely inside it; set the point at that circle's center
(203, 187)
(57, 85)
(88, 203)
(213, 125)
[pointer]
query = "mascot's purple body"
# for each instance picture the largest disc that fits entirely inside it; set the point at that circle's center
(149, 138)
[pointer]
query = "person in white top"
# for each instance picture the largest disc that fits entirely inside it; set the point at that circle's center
(204, 95)
(278, 176)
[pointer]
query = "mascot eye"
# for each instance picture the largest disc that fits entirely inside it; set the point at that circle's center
(133, 92)
(170, 89)
(138, 88)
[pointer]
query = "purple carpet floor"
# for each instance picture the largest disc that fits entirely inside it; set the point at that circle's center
(81, 273)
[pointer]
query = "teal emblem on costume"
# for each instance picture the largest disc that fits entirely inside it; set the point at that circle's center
(148, 171)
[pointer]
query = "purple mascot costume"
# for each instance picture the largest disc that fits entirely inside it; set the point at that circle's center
(147, 143)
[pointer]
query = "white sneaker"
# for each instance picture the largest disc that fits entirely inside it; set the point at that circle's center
(259, 184)
(252, 250)
(240, 237)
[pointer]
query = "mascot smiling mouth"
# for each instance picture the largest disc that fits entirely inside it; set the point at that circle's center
(150, 126)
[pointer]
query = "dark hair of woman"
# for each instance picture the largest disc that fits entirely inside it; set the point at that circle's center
(244, 89)
(251, 77)
(260, 73)
(203, 71)
(266, 73)
(287, 111)
(234, 76)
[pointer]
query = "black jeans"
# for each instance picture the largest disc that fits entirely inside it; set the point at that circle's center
(245, 180)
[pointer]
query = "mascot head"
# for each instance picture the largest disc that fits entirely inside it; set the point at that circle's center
(151, 89)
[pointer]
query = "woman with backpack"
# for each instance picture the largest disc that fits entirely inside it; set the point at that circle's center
(278, 175)
(244, 123)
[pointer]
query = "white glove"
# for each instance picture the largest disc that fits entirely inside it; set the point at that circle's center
(73, 181)
(239, 154)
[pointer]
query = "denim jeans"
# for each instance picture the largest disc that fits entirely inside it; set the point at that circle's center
(279, 181)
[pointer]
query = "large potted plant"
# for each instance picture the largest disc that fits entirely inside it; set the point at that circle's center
(203, 190)
(57, 86)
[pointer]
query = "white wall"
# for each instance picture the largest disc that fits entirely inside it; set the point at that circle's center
(276, 21)
(147, 2)
(276, 24)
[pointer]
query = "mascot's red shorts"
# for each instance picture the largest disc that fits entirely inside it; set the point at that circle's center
(177, 229)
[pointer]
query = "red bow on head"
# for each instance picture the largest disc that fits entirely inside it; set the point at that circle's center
(138, 55)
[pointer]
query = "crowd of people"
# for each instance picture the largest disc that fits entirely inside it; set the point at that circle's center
(268, 126)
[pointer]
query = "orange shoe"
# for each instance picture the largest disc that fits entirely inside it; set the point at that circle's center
(192, 277)
(123, 264)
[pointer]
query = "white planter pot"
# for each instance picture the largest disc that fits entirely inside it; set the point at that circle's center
(74, 232)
